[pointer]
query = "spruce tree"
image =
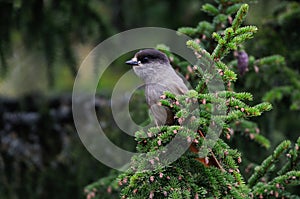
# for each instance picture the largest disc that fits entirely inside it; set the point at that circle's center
(187, 177)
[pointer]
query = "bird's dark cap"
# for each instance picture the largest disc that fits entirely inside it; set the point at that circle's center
(147, 56)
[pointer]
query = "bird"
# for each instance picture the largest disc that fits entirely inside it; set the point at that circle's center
(154, 68)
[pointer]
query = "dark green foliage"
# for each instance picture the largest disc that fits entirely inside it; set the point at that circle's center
(49, 27)
(110, 182)
(267, 163)
(288, 175)
(55, 29)
(274, 78)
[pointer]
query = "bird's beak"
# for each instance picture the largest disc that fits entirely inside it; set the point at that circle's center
(132, 62)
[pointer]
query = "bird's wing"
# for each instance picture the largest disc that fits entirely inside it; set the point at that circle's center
(162, 115)
(153, 92)
(178, 87)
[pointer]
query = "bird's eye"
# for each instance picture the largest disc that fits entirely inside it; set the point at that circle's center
(145, 59)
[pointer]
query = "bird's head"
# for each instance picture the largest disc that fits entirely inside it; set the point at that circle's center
(148, 63)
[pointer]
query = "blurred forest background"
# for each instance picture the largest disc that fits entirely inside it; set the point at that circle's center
(42, 44)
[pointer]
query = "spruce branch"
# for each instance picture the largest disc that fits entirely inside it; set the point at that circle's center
(293, 159)
(215, 160)
(233, 8)
(210, 9)
(234, 35)
(277, 187)
(261, 170)
(240, 16)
